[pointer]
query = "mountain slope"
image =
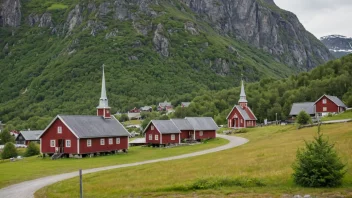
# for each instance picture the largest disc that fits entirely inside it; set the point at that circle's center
(52, 52)
(338, 45)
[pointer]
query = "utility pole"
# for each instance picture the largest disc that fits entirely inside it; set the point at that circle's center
(276, 118)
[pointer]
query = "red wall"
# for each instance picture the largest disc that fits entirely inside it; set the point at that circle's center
(331, 107)
(206, 135)
(249, 123)
(96, 147)
(185, 134)
(167, 139)
(100, 112)
(238, 120)
(153, 132)
(51, 134)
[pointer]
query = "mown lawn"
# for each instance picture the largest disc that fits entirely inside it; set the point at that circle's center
(260, 168)
(35, 167)
(341, 116)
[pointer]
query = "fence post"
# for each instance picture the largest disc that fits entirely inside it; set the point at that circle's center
(80, 183)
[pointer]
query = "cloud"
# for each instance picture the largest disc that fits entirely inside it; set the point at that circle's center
(322, 17)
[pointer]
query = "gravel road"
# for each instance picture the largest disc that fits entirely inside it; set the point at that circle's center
(28, 188)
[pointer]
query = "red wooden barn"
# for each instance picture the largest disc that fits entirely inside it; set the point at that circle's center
(162, 132)
(84, 134)
(26, 137)
(329, 104)
(185, 127)
(241, 116)
(203, 127)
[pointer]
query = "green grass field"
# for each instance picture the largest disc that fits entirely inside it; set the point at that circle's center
(341, 116)
(260, 168)
(34, 167)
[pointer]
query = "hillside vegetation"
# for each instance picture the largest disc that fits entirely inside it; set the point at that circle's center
(260, 168)
(52, 52)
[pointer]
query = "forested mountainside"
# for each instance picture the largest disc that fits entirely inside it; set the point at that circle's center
(269, 96)
(154, 50)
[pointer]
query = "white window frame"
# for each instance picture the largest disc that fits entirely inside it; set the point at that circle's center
(324, 101)
(200, 133)
(173, 137)
(156, 137)
(59, 129)
(118, 141)
(241, 120)
(111, 141)
(102, 141)
(68, 143)
(325, 109)
(150, 136)
(89, 142)
(152, 127)
(52, 143)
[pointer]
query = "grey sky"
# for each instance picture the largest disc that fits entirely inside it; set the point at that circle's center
(322, 17)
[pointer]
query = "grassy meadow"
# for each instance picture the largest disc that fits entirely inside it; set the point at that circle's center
(260, 168)
(341, 116)
(35, 167)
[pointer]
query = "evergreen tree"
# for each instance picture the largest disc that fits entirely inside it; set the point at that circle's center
(9, 151)
(303, 118)
(318, 165)
(6, 137)
(32, 149)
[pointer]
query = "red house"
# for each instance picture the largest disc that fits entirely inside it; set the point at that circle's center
(329, 104)
(162, 132)
(203, 127)
(84, 134)
(26, 137)
(185, 127)
(241, 116)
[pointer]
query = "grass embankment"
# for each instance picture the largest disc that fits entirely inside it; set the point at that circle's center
(34, 167)
(341, 116)
(260, 168)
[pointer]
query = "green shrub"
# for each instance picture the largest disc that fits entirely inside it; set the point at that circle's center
(318, 164)
(9, 151)
(32, 149)
(303, 118)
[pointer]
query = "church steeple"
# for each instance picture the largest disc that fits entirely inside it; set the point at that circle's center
(242, 101)
(103, 109)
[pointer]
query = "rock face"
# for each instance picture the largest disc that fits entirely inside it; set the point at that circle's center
(161, 43)
(274, 30)
(10, 13)
(338, 45)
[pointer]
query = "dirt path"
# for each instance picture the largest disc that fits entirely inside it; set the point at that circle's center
(28, 188)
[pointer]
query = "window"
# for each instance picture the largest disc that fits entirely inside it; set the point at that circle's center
(200, 133)
(68, 143)
(117, 140)
(156, 137)
(241, 120)
(110, 140)
(89, 143)
(325, 109)
(152, 127)
(102, 141)
(59, 129)
(173, 137)
(52, 143)
(150, 137)
(324, 101)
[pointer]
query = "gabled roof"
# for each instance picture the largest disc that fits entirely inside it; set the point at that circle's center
(182, 124)
(247, 113)
(202, 123)
(185, 104)
(31, 135)
(84, 126)
(334, 99)
(308, 107)
(164, 126)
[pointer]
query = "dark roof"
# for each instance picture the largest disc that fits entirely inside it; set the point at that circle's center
(93, 126)
(308, 107)
(202, 123)
(336, 100)
(165, 126)
(31, 135)
(247, 113)
(182, 124)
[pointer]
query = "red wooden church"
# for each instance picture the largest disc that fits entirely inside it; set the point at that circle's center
(84, 134)
(241, 116)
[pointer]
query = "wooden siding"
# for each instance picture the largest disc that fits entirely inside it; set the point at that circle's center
(231, 121)
(52, 134)
(206, 135)
(167, 139)
(96, 147)
(185, 134)
(331, 107)
(153, 132)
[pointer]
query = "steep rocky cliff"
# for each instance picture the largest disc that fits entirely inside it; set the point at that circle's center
(338, 45)
(264, 25)
(10, 13)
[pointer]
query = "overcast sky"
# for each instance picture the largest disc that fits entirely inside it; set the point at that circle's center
(322, 17)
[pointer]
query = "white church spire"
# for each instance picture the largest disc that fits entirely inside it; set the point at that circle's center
(103, 101)
(242, 99)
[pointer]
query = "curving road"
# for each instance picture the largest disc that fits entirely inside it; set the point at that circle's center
(28, 188)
